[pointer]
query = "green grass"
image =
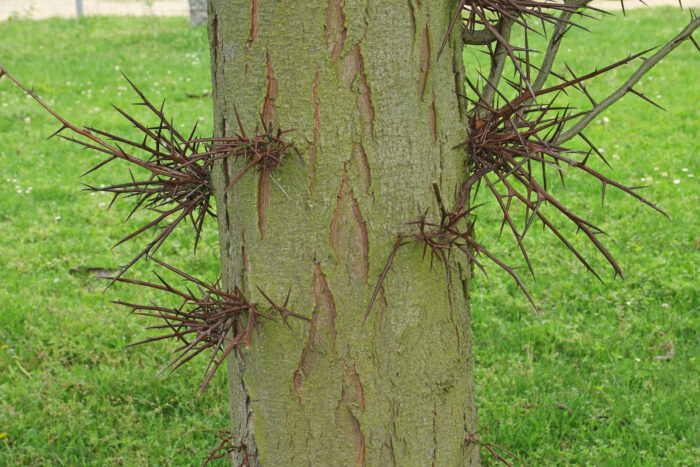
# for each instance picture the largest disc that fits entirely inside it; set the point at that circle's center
(70, 394)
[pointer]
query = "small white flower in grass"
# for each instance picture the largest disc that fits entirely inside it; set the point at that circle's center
(116, 67)
(684, 169)
(17, 187)
(606, 120)
(102, 205)
(649, 179)
(4, 104)
(676, 181)
(58, 218)
(664, 305)
(28, 96)
(664, 174)
(690, 175)
(643, 179)
(658, 96)
(29, 189)
(19, 191)
(601, 149)
(637, 360)
(616, 157)
(628, 302)
(14, 180)
(67, 83)
(656, 169)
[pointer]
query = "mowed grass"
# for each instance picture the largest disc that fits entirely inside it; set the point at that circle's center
(69, 392)
(581, 386)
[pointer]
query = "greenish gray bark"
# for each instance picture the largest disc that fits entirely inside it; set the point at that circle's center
(377, 116)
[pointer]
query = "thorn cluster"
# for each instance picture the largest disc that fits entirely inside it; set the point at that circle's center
(453, 232)
(176, 183)
(226, 447)
(488, 21)
(265, 150)
(473, 440)
(211, 319)
(173, 172)
(177, 186)
(512, 146)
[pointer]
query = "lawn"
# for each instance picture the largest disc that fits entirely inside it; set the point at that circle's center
(583, 385)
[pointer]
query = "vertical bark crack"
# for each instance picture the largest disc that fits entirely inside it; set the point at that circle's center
(269, 114)
(425, 65)
(227, 177)
(253, 34)
(263, 201)
(412, 13)
(215, 34)
(354, 75)
(322, 333)
(364, 97)
(348, 232)
(244, 253)
(359, 161)
(433, 121)
(253, 22)
(335, 30)
(313, 149)
(352, 394)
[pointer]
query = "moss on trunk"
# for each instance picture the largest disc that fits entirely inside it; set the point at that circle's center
(376, 115)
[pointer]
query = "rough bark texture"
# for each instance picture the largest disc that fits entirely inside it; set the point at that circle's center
(377, 116)
(198, 12)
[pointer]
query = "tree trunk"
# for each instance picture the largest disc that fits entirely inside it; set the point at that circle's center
(198, 12)
(377, 115)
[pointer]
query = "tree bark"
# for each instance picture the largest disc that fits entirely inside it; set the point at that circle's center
(377, 115)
